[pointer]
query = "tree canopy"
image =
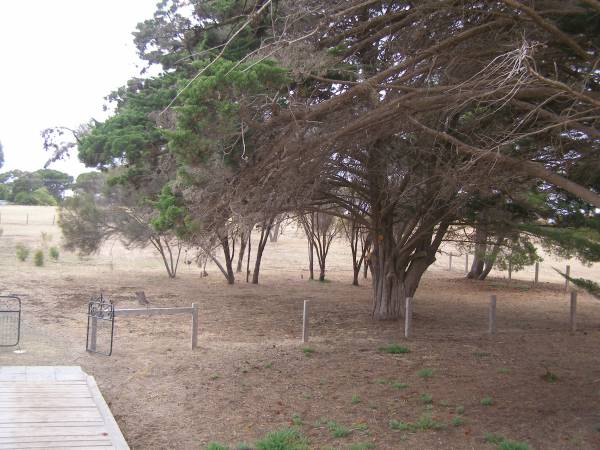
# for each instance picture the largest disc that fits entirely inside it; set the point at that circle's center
(413, 119)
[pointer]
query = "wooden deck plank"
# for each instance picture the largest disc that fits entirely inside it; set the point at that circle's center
(49, 407)
(93, 430)
(56, 444)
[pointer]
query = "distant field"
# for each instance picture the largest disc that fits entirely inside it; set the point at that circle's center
(251, 374)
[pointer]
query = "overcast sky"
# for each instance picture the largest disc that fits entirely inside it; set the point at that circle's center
(59, 59)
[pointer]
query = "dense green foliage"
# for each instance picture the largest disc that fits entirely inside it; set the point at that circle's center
(42, 187)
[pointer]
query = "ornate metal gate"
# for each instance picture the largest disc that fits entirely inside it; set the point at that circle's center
(100, 326)
(10, 320)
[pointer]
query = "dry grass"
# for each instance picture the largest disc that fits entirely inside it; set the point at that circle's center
(250, 375)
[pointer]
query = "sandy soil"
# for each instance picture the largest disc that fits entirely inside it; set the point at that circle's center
(250, 374)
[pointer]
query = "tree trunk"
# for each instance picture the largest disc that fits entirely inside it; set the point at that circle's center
(478, 265)
(262, 242)
(490, 259)
(389, 291)
(274, 233)
(228, 255)
(311, 265)
(240, 261)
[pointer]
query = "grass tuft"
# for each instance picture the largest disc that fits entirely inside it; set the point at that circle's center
(426, 398)
(308, 351)
(355, 399)
(394, 349)
(337, 430)
(286, 439)
(487, 401)
(399, 386)
(425, 373)
(458, 421)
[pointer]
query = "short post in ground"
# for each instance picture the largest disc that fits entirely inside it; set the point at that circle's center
(450, 263)
(567, 275)
(492, 315)
(537, 274)
(467, 263)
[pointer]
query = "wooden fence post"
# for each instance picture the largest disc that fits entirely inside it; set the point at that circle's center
(568, 274)
(509, 271)
(408, 317)
(53, 219)
(492, 315)
(305, 322)
(467, 263)
(573, 313)
(450, 263)
(537, 274)
(194, 325)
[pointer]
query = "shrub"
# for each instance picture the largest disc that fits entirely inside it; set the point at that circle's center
(38, 258)
(54, 254)
(22, 252)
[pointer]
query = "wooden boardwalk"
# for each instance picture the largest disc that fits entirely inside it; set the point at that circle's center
(48, 407)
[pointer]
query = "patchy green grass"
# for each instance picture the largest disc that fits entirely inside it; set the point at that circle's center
(337, 430)
(460, 409)
(214, 377)
(400, 426)
(487, 401)
(424, 423)
(504, 370)
(492, 438)
(362, 446)
(394, 349)
(355, 399)
(381, 381)
(481, 354)
(268, 366)
(426, 398)
(286, 439)
(458, 421)
(215, 446)
(398, 385)
(297, 420)
(513, 445)
(308, 351)
(425, 373)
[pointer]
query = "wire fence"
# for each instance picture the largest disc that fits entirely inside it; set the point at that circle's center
(536, 274)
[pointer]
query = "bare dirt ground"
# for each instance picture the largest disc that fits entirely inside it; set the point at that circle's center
(250, 374)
